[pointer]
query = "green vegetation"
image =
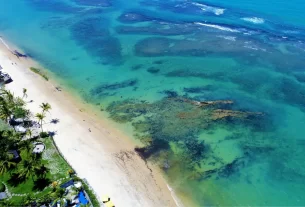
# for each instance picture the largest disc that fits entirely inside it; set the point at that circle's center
(58, 165)
(30, 177)
(39, 72)
(2, 187)
(92, 196)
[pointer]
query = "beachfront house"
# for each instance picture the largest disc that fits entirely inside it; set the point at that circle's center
(4, 77)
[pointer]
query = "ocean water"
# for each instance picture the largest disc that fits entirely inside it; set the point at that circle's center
(213, 90)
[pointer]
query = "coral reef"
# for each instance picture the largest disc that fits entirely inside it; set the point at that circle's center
(105, 88)
(169, 130)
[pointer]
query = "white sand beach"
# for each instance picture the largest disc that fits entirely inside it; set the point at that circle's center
(104, 157)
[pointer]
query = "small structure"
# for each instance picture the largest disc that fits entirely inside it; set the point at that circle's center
(107, 202)
(67, 184)
(78, 185)
(82, 198)
(20, 129)
(6, 78)
(3, 196)
(105, 199)
(15, 154)
(15, 122)
(38, 147)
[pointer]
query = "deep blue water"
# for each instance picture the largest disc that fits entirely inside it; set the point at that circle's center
(147, 63)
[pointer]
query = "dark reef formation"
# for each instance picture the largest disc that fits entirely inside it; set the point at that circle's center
(169, 130)
(157, 28)
(153, 70)
(137, 67)
(101, 44)
(54, 6)
(105, 89)
(248, 53)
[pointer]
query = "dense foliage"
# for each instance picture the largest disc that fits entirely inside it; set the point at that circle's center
(24, 172)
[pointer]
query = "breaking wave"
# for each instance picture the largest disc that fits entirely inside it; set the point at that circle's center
(217, 27)
(215, 10)
(254, 20)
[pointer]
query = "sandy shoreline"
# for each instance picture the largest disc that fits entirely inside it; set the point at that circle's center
(103, 157)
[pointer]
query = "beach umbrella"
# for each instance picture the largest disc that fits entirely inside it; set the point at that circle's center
(105, 198)
(109, 204)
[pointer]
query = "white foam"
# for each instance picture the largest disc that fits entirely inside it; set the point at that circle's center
(217, 27)
(231, 38)
(291, 32)
(217, 11)
(175, 198)
(253, 47)
(5, 44)
(254, 20)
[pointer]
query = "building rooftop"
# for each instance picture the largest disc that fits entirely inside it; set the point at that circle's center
(67, 184)
(3, 196)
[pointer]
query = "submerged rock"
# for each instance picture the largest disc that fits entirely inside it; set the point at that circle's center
(153, 70)
(105, 88)
(174, 123)
(137, 67)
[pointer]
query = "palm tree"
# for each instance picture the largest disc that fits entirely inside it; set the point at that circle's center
(27, 145)
(29, 133)
(27, 169)
(46, 107)
(58, 196)
(18, 102)
(40, 117)
(30, 166)
(28, 200)
(45, 199)
(9, 138)
(20, 112)
(9, 96)
(5, 111)
(9, 105)
(24, 91)
(42, 171)
(6, 166)
(7, 202)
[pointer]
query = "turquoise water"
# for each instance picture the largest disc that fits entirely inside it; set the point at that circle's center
(148, 64)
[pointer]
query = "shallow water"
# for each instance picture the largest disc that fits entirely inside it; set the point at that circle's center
(149, 63)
